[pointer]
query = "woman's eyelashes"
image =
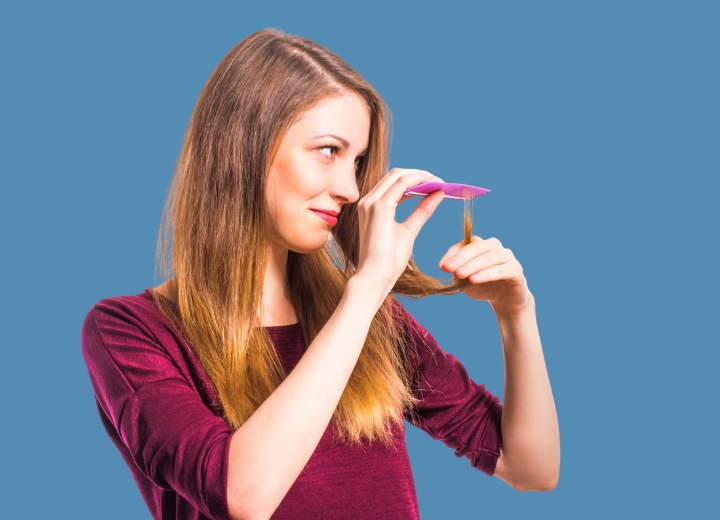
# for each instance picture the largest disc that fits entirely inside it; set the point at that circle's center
(330, 147)
(335, 148)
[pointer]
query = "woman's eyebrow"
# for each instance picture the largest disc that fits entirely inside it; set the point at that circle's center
(344, 141)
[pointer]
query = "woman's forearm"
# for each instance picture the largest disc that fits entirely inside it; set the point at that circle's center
(269, 451)
(530, 432)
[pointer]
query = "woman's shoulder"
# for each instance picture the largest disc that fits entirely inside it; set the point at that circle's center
(125, 327)
(140, 304)
(115, 313)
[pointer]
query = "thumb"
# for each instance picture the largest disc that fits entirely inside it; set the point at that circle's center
(420, 215)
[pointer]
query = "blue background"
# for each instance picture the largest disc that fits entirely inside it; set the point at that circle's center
(596, 125)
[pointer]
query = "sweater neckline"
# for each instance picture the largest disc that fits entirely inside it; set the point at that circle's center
(291, 328)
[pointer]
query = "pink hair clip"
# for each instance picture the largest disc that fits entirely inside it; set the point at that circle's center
(451, 190)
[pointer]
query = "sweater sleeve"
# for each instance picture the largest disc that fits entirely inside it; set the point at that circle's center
(171, 435)
(453, 408)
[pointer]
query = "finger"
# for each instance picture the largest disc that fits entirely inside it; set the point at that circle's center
(455, 248)
(497, 272)
(481, 262)
(450, 252)
(477, 246)
(396, 192)
(409, 179)
(506, 271)
(402, 171)
(422, 212)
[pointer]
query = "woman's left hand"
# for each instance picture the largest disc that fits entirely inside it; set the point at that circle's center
(493, 271)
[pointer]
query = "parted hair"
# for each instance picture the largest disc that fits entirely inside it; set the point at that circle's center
(219, 223)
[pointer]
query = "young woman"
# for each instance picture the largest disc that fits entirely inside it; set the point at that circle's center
(269, 377)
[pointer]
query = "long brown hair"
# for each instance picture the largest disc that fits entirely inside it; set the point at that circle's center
(217, 215)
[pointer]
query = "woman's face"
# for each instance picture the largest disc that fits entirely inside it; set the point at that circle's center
(314, 171)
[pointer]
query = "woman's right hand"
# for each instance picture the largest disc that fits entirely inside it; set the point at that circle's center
(386, 245)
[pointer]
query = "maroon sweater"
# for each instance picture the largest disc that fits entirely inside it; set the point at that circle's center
(157, 405)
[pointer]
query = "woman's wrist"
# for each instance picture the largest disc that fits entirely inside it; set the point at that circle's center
(368, 290)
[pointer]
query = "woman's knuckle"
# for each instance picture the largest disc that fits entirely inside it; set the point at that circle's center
(384, 204)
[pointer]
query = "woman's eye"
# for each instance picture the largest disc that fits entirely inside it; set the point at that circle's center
(334, 148)
(330, 147)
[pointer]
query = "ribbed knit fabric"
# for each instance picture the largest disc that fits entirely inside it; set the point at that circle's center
(157, 405)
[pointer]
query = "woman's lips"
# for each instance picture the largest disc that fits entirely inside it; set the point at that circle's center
(327, 218)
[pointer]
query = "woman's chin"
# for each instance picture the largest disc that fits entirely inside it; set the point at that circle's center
(308, 248)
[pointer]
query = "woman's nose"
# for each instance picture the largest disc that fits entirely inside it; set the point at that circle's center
(345, 185)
